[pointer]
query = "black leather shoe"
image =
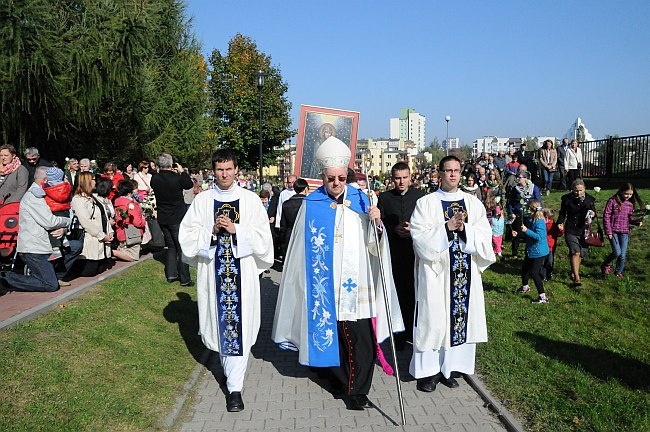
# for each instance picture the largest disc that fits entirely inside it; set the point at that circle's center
(172, 279)
(187, 284)
(449, 382)
(234, 402)
(358, 402)
(427, 384)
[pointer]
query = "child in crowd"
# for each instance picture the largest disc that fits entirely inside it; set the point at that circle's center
(498, 224)
(534, 230)
(58, 194)
(552, 233)
(617, 218)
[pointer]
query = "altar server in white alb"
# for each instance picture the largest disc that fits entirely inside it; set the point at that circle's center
(330, 288)
(452, 240)
(225, 234)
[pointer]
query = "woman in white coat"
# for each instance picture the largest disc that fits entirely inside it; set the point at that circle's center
(98, 231)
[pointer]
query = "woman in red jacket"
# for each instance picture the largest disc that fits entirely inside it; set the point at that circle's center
(127, 212)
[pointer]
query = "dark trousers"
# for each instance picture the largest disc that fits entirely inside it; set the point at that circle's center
(357, 356)
(402, 266)
(174, 266)
(516, 241)
(572, 175)
(532, 267)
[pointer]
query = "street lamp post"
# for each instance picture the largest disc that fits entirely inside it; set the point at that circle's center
(447, 118)
(260, 84)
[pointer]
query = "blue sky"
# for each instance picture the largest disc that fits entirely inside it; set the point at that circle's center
(505, 68)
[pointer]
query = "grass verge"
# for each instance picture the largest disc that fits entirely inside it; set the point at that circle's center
(581, 362)
(114, 359)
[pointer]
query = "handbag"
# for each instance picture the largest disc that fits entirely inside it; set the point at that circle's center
(594, 238)
(75, 231)
(157, 238)
(133, 236)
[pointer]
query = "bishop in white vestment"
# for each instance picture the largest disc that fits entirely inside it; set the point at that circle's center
(452, 240)
(330, 288)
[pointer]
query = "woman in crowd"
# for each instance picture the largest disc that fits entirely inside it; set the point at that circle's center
(576, 211)
(495, 186)
(92, 217)
(573, 162)
(111, 173)
(523, 192)
(128, 171)
(144, 180)
(617, 218)
(472, 188)
(13, 176)
(127, 212)
(548, 159)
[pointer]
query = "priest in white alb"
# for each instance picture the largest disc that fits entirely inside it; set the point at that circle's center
(452, 240)
(225, 234)
(330, 288)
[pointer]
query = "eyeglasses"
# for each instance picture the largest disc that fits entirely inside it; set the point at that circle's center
(331, 179)
(451, 171)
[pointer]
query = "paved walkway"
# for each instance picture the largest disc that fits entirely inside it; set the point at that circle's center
(281, 395)
(17, 307)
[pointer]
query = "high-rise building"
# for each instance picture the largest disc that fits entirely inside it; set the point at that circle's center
(410, 126)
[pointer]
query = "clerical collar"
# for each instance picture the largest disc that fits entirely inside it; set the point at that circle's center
(225, 194)
(339, 199)
(449, 195)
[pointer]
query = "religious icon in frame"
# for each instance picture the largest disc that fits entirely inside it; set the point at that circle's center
(316, 125)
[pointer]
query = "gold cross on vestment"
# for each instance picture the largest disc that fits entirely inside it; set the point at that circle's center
(337, 236)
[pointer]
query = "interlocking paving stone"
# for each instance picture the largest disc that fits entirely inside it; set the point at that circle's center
(280, 394)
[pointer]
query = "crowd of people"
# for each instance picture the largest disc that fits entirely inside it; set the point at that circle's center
(436, 232)
(77, 221)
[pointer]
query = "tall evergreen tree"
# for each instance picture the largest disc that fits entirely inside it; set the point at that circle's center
(88, 78)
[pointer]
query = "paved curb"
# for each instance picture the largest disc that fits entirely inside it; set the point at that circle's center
(494, 405)
(35, 311)
(171, 418)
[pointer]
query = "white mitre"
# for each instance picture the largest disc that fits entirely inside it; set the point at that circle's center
(333, 153)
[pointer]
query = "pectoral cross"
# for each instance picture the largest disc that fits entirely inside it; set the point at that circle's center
(337, 236)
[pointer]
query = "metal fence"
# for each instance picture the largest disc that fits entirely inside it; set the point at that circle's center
(617, 157)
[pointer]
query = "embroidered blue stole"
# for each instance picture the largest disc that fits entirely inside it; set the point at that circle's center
(228, 282)
(460, 266)
(320, 215)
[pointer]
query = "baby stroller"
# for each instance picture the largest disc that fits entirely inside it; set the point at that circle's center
(8, 234)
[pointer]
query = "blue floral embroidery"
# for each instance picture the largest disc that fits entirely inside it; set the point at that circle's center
(322, 310)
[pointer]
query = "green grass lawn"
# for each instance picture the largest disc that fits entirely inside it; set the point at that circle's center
(581, 362)
(114, 359)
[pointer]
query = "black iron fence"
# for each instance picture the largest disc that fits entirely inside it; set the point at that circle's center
(617, 157)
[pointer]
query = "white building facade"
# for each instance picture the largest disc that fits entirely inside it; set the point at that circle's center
(409, 126)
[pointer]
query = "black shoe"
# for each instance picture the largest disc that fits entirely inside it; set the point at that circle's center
(187, 284)
(427, 384)
(358, 402)
(449, 382)
(234, 402)
(172, 279)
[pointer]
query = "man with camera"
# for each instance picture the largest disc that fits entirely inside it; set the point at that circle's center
(168, 186)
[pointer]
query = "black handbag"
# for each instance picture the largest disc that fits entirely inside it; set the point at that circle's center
(75, 231)
(594, 238)
(157, 238)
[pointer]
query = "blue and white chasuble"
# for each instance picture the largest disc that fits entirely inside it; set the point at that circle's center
(321, 226)
(460, 280)
(228, 280)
